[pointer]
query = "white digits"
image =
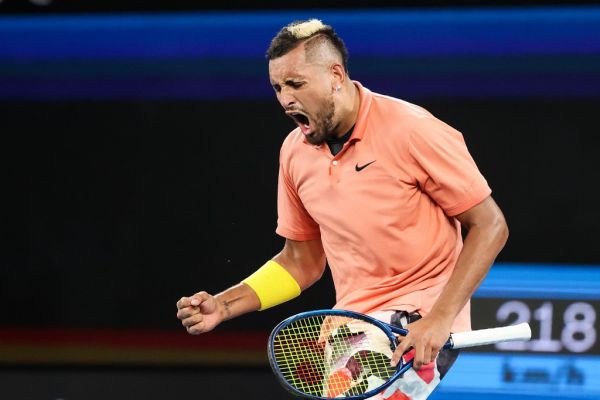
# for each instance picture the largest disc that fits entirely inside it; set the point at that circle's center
(523, 315)
(579, 333)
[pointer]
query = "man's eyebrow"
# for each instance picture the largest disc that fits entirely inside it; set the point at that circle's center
(288, 81)
(293, 80)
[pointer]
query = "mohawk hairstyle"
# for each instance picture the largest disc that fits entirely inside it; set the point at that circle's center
(312, 31)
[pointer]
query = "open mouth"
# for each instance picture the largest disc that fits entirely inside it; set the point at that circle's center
(302, 121)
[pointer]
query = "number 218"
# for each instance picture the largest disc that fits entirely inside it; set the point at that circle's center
(578, 333)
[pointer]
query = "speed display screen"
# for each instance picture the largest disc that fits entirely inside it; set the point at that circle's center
(561, 303)
(558, 325)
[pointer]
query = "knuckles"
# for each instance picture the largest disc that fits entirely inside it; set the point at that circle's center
(181, 302)
(193, 320)
(187, 312)
(194, 330)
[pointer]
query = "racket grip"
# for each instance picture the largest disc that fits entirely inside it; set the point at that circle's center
(482, 337)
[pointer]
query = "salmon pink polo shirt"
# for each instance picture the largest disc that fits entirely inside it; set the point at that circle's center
(384, 206)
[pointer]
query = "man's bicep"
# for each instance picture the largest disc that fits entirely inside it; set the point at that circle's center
(304, 260)
(485, 213)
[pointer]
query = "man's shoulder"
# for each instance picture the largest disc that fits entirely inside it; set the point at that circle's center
(407, 117)
(393, 107)
(293, 142)
(293, 139)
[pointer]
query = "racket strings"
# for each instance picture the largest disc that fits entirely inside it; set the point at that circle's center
(332, 356)
(299, 356)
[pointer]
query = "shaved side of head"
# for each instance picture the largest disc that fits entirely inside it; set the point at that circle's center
(319, 49)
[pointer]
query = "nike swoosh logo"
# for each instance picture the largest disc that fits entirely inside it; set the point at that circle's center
(360, 168)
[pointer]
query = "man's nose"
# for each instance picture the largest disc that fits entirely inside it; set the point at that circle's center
(286, 99)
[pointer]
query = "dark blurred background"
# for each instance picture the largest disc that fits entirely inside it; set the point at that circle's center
(141, 141)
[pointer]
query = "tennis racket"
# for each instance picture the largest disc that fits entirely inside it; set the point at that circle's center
(328, 354)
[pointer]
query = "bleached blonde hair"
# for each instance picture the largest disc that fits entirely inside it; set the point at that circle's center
(305, 29)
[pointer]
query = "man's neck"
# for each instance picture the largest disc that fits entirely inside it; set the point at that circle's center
(349, 109)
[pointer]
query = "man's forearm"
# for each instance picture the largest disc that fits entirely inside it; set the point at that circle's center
(481, 246)
(237, 300)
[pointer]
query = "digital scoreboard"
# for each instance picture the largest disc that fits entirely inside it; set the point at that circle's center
(561, 303)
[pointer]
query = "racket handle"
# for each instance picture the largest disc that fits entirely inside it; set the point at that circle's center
(490, 336)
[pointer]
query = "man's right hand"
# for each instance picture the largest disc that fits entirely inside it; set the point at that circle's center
(200, 313)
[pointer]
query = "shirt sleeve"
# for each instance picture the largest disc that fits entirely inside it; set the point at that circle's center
(293, 221)
(444, 169)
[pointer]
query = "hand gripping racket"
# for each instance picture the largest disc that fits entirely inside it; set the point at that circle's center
(326, 354)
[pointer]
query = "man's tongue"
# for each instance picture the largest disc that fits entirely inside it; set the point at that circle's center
(305, 128)
(304, 125)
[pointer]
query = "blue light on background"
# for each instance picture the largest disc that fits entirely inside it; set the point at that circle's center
(546, 377)
(473, 53)
(541, 281)
(367, 33)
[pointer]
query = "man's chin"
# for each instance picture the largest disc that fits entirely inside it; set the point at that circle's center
(315, 139)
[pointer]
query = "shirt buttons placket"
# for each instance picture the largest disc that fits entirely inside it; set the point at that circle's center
(334, 171)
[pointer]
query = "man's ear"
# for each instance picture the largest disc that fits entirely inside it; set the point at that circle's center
(338, 75)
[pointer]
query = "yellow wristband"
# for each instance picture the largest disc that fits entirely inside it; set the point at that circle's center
(273, 285)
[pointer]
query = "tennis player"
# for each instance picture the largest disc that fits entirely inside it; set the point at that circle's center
(379, 188)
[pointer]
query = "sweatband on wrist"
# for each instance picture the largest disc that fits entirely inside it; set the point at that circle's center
(273, 285)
